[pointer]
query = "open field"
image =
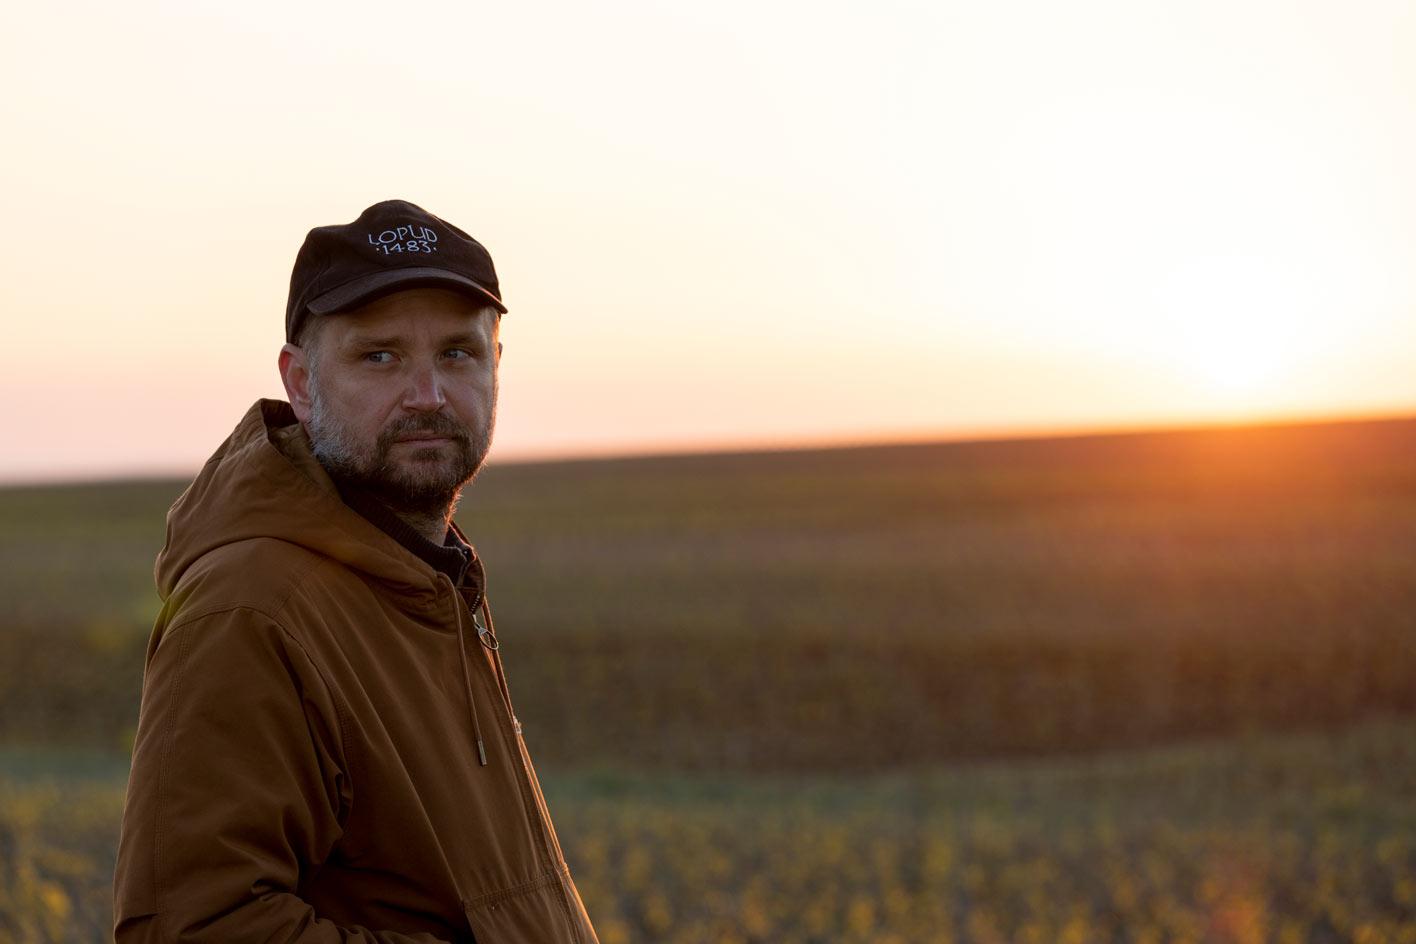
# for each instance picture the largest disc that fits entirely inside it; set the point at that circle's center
(1152, 688)
(1276, 838)
(849, 609)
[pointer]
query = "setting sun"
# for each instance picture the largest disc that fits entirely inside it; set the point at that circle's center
(1242, 332)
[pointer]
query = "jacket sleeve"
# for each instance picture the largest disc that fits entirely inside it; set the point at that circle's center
(238, 780)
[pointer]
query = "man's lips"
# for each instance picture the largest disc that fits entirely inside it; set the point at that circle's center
(422, 438)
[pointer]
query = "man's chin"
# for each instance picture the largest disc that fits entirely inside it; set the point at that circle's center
(424, 496)
(423, 482)
(409, 478)
(425, 462)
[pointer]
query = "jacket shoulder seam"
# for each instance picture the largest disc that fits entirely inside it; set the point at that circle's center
(271, 611)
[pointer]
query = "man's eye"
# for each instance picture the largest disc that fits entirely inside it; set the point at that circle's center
(459, 353)
(378, 357)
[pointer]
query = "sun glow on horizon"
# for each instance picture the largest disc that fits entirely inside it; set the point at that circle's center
(1246, 333)
(846, 220)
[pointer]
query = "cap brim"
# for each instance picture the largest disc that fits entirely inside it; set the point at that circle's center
(376, 284)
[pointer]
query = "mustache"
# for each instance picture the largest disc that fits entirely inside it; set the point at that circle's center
(437, 424)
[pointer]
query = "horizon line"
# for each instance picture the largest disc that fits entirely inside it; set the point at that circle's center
(842, 442)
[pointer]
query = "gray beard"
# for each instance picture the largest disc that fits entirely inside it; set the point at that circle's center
(421, 491)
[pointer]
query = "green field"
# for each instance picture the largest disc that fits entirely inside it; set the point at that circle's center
(1142, 687)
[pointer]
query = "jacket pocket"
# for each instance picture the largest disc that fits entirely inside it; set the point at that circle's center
(536, 912)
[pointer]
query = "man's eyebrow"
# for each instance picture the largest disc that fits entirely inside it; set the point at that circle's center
(392, 340)
(367, 340)
(462, 338)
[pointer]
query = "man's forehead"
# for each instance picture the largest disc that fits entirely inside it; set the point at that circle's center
(414, 314)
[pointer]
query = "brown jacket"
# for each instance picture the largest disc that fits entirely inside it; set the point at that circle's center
(307, 757)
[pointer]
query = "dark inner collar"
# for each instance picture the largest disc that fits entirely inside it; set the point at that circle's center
(453, 557)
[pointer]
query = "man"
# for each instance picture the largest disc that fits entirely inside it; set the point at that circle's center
(326, 748)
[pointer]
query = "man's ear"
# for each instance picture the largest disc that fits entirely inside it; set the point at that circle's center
(498, 352)
(295, 374)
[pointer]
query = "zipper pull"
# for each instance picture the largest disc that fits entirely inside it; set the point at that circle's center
(484, 635)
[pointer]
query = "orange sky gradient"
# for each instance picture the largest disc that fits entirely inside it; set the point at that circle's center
(722, 225)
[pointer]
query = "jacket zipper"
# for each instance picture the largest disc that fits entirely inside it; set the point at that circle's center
(467, 680)
(553, 846)
(531, 796)
(488, 638)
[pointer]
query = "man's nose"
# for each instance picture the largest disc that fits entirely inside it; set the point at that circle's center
(424, 392)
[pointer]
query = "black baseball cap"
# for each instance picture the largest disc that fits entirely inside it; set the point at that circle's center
(392, 246)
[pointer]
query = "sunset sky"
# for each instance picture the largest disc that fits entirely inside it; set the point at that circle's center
(722, 224)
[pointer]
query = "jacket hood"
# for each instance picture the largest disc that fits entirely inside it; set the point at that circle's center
(265, 482)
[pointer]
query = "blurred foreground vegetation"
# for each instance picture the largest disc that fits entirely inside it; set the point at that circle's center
(1148, 687)
(1279, 838)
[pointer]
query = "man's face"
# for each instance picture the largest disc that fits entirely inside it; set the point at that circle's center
(402, 396)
